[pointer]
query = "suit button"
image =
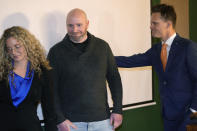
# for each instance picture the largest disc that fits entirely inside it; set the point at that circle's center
(164, 83)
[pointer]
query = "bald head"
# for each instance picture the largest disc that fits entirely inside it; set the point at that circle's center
(77, 25)
(77, 13)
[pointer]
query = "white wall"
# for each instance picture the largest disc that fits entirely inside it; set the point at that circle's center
(124, 24)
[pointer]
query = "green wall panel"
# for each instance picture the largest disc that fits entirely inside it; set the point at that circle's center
(193, 20)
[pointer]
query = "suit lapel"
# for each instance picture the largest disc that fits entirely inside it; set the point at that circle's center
(9, 92)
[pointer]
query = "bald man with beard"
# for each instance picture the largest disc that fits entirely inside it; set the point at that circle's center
(82, 63)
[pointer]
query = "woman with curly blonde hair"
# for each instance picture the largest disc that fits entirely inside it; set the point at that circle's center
(24, 82)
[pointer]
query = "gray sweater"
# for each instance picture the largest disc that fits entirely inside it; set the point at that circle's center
(80, 80)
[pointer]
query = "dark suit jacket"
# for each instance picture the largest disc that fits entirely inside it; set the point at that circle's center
(178, 84)
(24, 117)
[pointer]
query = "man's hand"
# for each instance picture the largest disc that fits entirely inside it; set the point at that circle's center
(65, 126)
(116, 120)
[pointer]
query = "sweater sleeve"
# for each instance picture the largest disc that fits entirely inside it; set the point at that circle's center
(57, 106)
(47, 101)
(114, 82)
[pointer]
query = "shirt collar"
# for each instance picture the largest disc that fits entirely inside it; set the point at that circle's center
(170, 40)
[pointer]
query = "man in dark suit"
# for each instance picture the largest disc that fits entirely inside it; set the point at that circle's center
(175, 61)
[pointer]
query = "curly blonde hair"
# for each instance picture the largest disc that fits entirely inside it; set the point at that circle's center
(35, 52)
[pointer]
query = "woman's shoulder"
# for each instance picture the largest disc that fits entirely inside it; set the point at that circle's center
(3, 82)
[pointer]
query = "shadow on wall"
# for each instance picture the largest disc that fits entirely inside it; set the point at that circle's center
(54, 27)
(16, 19)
